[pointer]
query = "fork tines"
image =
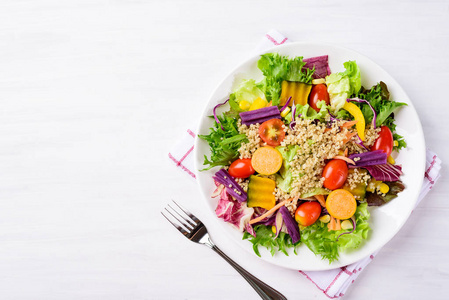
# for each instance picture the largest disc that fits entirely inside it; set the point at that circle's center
(186, 221)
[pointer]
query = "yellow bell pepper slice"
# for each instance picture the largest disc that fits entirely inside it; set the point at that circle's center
(244, 105)
(355, 111)
(390, 159)
(261, 192)
(299, 92)
(285, 112)
(258, 103)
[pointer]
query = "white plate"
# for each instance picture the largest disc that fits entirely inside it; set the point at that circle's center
(386, 220)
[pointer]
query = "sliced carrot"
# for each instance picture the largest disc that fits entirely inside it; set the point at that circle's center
(331, 224)
(338, 224)
(321, 200)
(349, 123)
(349, 136)
(266, 160)
(341, 204)
(346, 152)
(261, 217)
(346, 159)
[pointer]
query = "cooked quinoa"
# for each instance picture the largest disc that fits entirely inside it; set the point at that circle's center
(356, 177)
(317, 142)
(254, 141)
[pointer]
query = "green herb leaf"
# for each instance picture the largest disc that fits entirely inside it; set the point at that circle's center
(379, 97)
(401, 142)
(224, 144)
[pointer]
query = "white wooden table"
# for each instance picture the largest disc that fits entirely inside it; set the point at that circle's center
(94, 93)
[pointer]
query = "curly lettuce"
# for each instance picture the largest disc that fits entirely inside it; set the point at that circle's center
(324, 243)
(224, 144)
(266, 238)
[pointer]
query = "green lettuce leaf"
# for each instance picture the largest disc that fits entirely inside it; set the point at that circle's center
(265, 238)
(277, 68)
(379, 97)
(315, 191)
(285, 178)
(324, 243)
(342, 85)
(248, 90)
(309, 113)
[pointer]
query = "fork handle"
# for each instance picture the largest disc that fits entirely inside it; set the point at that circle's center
(264, 290)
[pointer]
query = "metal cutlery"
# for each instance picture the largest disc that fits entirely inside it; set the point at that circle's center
(193, 229)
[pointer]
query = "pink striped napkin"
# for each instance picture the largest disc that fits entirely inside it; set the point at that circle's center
(333, 283)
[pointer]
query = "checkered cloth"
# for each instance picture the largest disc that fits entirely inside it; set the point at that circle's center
(333, 283)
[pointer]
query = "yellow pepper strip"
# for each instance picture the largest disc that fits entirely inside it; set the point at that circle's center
(396, 143)
(390, 159)
(318, 81)
(299, 92)
(261, 192)
(355, 111)
(258, 103)
(346, 225)
(244, 105)
(325, 219)
(285, 112)
(374, 185)
(384, 188)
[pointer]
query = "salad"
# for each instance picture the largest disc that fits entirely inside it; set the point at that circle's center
(302, 154)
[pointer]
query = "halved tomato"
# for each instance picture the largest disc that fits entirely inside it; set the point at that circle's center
(307, 213)
(241, 168)
(335, 173)
(272, 132)
(384, 142)
(318, 93)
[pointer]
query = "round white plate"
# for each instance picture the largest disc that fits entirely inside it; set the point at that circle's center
(386, 220)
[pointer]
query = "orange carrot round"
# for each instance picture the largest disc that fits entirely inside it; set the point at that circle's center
(341, 204)
(266, 160)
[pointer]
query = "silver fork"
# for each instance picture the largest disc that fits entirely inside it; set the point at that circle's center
(194, 230)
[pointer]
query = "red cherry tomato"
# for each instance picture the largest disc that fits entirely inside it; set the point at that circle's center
(335, 173)
(384, 142)
(271, 132)
(241, 168)
(318, 93)
(307, 213)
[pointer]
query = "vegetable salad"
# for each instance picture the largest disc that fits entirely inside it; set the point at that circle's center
(301, 155)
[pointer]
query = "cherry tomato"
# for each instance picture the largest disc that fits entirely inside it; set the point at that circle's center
(318, 93)
(307, 213)
(384, 142)
(271, 132)
(335, 173)
(241, 168)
